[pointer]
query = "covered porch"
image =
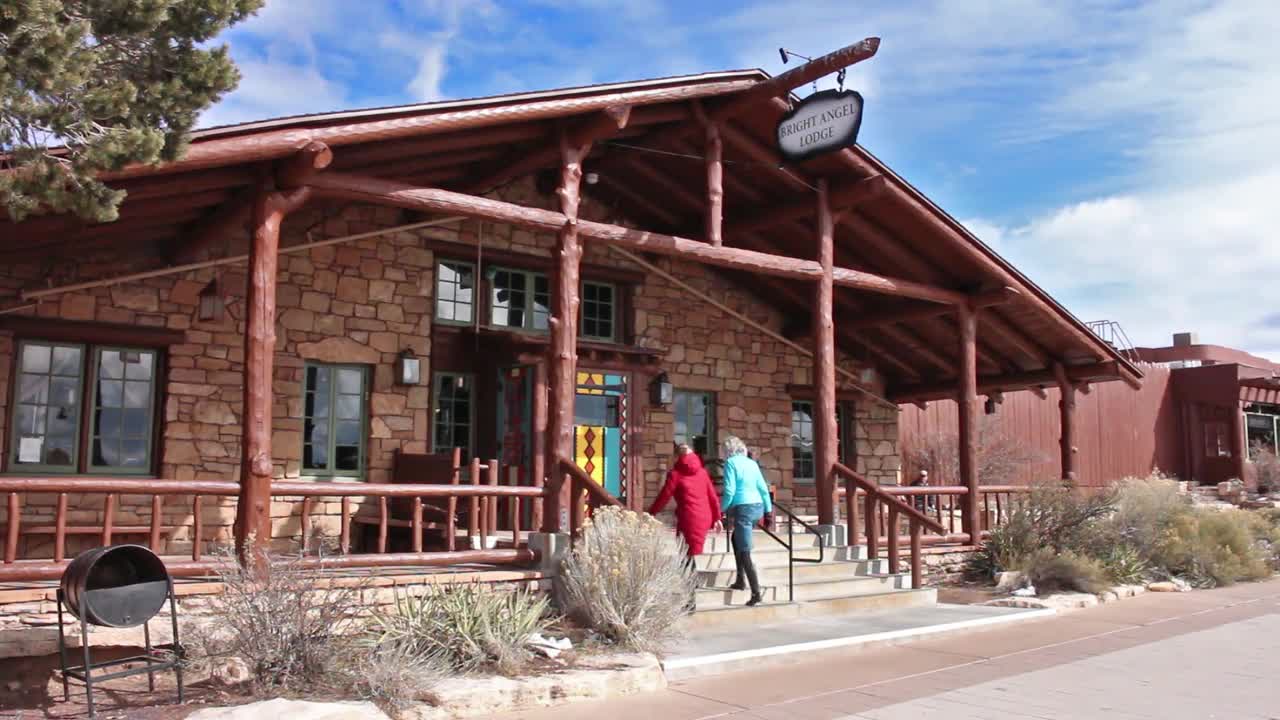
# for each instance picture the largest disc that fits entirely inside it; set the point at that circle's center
(371, 334)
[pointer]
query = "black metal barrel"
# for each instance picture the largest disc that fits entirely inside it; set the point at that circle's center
(116, 586)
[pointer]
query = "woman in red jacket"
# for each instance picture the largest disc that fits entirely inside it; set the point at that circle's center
(697, 505)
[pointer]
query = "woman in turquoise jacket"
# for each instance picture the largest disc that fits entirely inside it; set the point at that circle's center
(745, 501)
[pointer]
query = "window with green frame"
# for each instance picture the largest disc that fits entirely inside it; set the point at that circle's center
(334, 420)
(455, 292)
(802, 428)
(519, 299)
(695, 418)
(452, 405)
(599, 301)
(51, 392)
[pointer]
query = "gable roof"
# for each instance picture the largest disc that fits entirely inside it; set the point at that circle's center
(652, 172)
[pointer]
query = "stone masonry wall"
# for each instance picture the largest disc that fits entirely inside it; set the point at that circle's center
(363, 302)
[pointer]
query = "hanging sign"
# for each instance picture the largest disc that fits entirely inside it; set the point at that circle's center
(823, 122)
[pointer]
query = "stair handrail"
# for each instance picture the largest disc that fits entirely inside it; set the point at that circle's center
(916, 520)
(581, 482)
(789, 544)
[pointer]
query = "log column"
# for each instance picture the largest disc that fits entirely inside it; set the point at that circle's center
(824, 364)
(562, 368)
(967, 399)
(253, 509)
(1066, 413)
(715, 185)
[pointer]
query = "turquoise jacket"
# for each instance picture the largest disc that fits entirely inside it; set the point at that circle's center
(744, 484)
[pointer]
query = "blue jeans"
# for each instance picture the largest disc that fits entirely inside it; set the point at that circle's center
(745, 518)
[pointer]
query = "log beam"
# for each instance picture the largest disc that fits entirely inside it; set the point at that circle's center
(842, 197)
(824, 363)
(253, 509)
(1066, 419)
(1008, 383)
(967, 399)
(386, 192)
(603, 124)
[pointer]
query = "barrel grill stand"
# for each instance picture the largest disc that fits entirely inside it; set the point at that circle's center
(154, 659)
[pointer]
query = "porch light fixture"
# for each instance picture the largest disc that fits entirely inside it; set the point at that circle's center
(211, 304)
(407, 368)
(660, 390)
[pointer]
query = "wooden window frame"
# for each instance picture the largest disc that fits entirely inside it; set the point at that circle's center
(92, 406)
(331, 472)
(614, 295)
(712, 433)
(436, 377)
(529, 321)
(476, 294)
(844, 416)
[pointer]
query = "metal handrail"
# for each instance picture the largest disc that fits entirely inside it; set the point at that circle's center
(789, 544)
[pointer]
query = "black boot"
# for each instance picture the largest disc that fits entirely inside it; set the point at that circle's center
(741, 582)
(692, 605)
(752, 578)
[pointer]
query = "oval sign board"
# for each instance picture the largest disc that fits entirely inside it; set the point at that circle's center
(823, 122)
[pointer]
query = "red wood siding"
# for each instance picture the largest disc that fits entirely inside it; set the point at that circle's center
(1119, 431)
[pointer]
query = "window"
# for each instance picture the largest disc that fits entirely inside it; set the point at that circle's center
(455, 292)
(333, 430)
(452, 423)
(48, 417)
(695, 416)
(598, 303)
(519, 299)
(802, 429)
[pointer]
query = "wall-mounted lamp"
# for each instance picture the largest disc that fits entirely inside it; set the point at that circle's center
(989, 407)
(211, 304)
(407, 368)
(660, 390)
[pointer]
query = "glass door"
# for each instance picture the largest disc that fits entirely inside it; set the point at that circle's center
(600, 437)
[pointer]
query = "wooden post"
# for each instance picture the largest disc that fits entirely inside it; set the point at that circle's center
(715, 185)
(564, 339)
(1239, 442)
(1066, 414)
(539, 461)
(967, 398)
(253, 508)
(824, 364)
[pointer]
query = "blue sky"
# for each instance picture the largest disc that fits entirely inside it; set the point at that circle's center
(1125, 155)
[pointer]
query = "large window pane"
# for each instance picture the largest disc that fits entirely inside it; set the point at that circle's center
(123, 398)
(695, 414)
(598, 311)
(46, 409)
(333, 427)
(455, 283)
(802, 440)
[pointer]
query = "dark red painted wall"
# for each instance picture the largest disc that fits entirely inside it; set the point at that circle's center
(1119, 431)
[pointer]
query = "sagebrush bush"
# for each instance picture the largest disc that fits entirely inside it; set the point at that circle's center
(1051, 571)
(292, 627)
(1212, 547)
(394, 676)
(626, 578)
(1145, 508)
(1052, 516)
(470, 627)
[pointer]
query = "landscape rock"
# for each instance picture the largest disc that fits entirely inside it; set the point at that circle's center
(280, 708)
(1008, 581)
(1174, 585)
(1059, 602)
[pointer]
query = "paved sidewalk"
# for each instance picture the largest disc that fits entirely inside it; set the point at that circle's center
(1206, 654)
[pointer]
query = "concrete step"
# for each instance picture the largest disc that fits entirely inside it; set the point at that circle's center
(748, 617)
(805, 590)
(721, 542)
(776, 556)
(777, 574)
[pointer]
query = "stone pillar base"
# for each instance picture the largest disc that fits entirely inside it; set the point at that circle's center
(551, 549)
(834, 535)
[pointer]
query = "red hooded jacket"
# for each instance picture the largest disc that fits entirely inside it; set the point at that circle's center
(697, 505)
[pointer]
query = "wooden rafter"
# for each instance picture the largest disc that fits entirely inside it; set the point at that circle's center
(598, 126)
(843, 197)
(1008, 383)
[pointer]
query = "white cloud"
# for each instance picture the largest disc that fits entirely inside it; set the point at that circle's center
(273, 89)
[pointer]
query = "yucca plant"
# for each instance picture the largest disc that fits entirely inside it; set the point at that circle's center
(472, 627)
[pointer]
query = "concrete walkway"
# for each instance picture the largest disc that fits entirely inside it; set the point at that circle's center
(1207, 654)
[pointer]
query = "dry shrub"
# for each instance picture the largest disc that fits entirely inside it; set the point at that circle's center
(292, 626)
(1266, 466)
(1126, 565)
(469, 627)
(626, 579)
(1212, 547)
(1053, 516)
(1053, 571)
(395, 676)
(1001, 460)
(1145, 508)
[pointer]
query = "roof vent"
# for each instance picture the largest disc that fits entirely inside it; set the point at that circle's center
(1185, 339)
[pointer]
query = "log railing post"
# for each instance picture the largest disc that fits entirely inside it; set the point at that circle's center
(872, 518)
(891, 535)
(917, 562)
(824, 365)
(253, 508)
(539, 469)
(564, 337)
(14, 526)
(967, 398)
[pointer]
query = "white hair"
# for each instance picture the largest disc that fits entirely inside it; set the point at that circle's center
(734, 446)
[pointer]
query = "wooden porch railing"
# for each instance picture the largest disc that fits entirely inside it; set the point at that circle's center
(942, 503)
(874, 498)
(585, 495)
(486, 498)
